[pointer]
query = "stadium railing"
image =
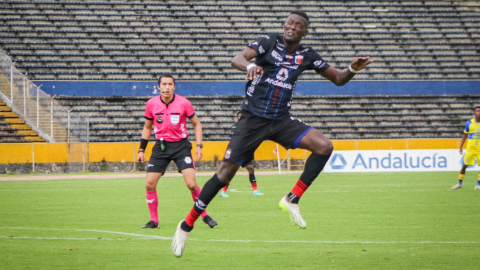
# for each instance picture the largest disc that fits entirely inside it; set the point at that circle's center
(34, 106)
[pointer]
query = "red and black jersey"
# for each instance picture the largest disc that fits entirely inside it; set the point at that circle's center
(269, 95)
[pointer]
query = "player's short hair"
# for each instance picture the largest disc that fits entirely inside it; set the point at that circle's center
(301, 13)
(166, 75)
(476, 107)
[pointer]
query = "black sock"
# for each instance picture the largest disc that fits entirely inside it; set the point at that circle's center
(293, 198)
(209, 191)
(314, 165)
(252, 179)
(185, 227)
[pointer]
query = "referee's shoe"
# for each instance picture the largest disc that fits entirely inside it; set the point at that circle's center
(151, 225)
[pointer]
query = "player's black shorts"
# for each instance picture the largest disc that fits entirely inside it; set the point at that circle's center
(247, 163)
(250, 131)
(180, 152)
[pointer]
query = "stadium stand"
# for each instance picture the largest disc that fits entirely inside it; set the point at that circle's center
(339, 117)
(13, 129)
(197, 40)
(137, 40)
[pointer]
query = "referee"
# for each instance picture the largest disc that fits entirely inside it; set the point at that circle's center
(168, 114)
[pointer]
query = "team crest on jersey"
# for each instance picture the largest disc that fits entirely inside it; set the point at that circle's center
(188, 160)
(174, 119)
(159, 120)
(227, 154)
(298, 59)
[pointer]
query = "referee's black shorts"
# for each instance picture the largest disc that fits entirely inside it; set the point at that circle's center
(180, 152)
(250, 131)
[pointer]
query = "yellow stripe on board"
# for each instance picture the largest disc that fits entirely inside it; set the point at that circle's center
(127, 151)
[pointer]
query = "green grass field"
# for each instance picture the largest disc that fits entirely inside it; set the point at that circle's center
(355, 221)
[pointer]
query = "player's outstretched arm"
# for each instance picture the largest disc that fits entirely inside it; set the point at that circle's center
(242, 62)
(341, 77)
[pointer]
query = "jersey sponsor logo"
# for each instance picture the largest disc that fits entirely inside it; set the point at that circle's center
(228, 153)
(188, 160)
(159, 120)
(279, 83)
(174, 119)
(282, 75)
(276, 55)
(261, 50)
(298, 59)
(286, 64)
(319, 63)
(251, 88)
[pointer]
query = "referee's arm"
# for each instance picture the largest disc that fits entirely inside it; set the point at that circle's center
(146, 133)
(197, 127)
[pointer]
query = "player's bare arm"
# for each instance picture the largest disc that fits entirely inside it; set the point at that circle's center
(242, 62)
(197, 127)
(146, 133)
(341, 77)
(464, 138)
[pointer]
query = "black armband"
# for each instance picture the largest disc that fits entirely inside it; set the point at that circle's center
(143, 143)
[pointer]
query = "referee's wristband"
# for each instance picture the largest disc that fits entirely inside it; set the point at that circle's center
(143, 144)
(352, 70)
(249, 66)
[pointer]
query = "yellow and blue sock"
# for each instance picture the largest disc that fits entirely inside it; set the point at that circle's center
(460, 178)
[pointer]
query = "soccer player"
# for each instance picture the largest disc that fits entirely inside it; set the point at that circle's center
(251, 174)
(279, 60)
(472, 133)
(168, 114)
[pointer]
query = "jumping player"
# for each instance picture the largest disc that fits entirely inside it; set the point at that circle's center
(168, 114)
(472, 134)
(279, 60)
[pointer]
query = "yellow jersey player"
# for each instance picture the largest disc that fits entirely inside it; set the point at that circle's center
(472, 133)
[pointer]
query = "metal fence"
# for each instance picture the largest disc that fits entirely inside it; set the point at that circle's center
(44, 114)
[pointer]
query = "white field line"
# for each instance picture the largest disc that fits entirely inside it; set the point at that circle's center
(154, 237)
